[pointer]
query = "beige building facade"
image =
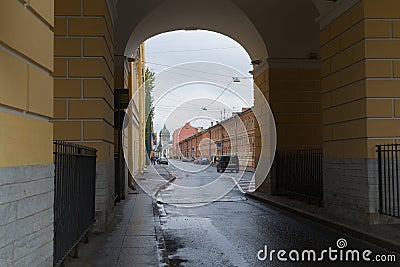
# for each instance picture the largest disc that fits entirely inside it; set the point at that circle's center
(329, 69)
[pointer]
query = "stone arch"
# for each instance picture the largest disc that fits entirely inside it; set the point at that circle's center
(222, 16)
(265, 29)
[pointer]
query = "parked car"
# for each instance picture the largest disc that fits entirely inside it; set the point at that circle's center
(196, 161)
(204, 161)
(227, 162)
(163, 160)
(187, 159)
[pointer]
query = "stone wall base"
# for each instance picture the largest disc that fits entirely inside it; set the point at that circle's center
(351, 188)
(27, 215)
(104, 215)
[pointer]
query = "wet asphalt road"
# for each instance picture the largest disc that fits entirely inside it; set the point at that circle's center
(232, 230)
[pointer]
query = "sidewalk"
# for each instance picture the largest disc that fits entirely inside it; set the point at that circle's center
(383, 235)
(133, 237)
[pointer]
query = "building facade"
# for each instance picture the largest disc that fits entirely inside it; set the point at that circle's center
(134, 135)
(179, 135)
(233, 136)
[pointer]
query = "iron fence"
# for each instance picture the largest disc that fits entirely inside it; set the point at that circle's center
(74, 196)
(299, 172)
(388, 172)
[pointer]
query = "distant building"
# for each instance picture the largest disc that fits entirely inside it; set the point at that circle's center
(165, 135)
(229, 137)
(181, 134)
(165, 145)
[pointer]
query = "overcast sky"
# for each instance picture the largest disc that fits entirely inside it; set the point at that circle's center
(201, 89)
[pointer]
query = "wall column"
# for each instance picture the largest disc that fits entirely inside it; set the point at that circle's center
(360, 86)
(83, 89)
(293, 91)
(26, 133)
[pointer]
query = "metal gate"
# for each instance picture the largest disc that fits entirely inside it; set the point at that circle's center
(299, 172)
(74, 196)
(389, 187)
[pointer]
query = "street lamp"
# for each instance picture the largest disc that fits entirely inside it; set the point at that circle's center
(234, 80)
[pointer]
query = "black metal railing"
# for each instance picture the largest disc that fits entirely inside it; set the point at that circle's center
(388, 172)
(74, 196)
(299, 172)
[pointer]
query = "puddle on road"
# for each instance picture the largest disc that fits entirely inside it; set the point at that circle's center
(172, 247)
(196, 238)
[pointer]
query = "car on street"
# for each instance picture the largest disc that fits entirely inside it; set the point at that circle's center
(163, 160)
(188, 159)
(204, 161)
(228, 163)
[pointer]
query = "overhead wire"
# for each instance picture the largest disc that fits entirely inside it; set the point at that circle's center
(200, 71)
(193, 50)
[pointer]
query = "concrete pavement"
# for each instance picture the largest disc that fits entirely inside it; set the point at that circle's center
(134, 238)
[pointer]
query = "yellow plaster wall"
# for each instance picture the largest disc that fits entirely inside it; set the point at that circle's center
(26, 87)
(360, 59)
(295, 100)
(24, 26)
(84, 75)
(25, 141)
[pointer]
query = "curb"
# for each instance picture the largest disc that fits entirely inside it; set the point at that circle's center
(371, 238)
(163, 186)
(162, 252)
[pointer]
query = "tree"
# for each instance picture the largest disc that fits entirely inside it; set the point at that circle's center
(149, 108)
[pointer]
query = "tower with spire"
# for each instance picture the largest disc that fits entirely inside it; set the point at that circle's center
(165, 140)
(165, 135)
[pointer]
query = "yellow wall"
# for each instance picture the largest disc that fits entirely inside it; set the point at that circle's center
(295, 99)
(84, 75)
(294, 96)
(24, 141)
(261, 90)
(142, 122)
(129, 75)
(360, 60)
(26, 87)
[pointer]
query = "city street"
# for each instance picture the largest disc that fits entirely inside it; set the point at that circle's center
(196, 185)
(232, 230)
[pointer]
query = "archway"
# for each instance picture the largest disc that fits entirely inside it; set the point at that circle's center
(287, 72)
(66, 84)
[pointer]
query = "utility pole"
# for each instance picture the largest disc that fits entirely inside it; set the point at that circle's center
(236, 134)
(209, 146)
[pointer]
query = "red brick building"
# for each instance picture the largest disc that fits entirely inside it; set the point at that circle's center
(181, 134)
(233, 136)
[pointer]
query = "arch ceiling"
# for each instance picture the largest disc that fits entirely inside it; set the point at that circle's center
(265, 28)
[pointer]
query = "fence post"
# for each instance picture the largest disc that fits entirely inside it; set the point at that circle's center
(397, 180)
(380, 177)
